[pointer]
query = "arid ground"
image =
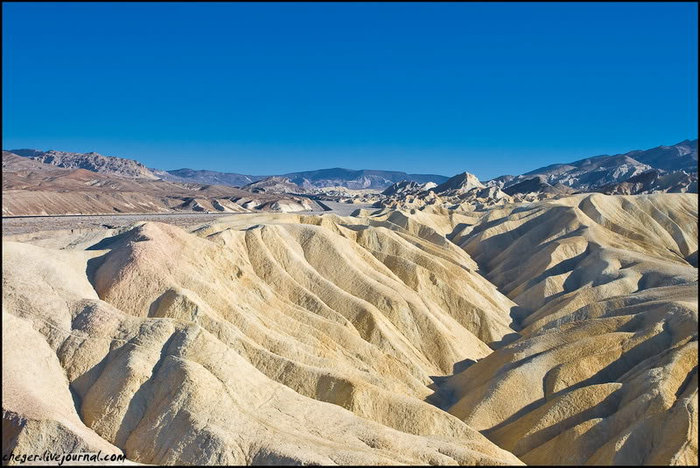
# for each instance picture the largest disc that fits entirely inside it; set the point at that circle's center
(561, 331)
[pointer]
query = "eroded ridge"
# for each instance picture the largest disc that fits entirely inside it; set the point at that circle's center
(562, 331)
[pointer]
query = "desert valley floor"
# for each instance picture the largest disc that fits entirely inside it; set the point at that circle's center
(560, 331)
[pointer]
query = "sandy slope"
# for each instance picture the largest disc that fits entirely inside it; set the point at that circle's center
(606, 369)
(299, 339)
(322, 339)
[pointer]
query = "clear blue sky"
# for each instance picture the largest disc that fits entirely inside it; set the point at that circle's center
(418, 87)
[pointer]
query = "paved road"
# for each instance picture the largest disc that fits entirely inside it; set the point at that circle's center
(24, 224)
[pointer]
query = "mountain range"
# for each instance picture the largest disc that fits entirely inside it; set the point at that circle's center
(664, 168)
(33, 187)
(93, 162)
(464, 323)
(334, 177)
(604, 172)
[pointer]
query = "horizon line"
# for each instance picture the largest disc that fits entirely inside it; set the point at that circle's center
(689, 140)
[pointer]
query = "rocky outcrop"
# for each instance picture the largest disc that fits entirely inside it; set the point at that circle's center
(93, 162)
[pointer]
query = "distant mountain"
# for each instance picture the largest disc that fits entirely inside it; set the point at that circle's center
(27, 153)
(682, 156)
(675, 167)
(406, 187)
(336, 177)
(358, 179)
(94, 162)
(654, 181)
(592, 174)
(208, 177)
(274, 184)
(31, 187)
(588, 173)
(459, 184)
(500, 181)
(537, 184)
(12, 162)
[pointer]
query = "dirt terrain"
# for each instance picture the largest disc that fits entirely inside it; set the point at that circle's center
(562, 331)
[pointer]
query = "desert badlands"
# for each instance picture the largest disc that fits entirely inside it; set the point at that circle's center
(349, 233)
(555, 331)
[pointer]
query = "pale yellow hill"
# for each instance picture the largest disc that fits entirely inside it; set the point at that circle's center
(606, 369)
(562, 331)
(263, 339)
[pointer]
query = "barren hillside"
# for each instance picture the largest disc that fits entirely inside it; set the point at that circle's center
(557, 332)
(31, 187)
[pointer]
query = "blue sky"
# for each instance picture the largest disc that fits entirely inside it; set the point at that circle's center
(418, 87)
